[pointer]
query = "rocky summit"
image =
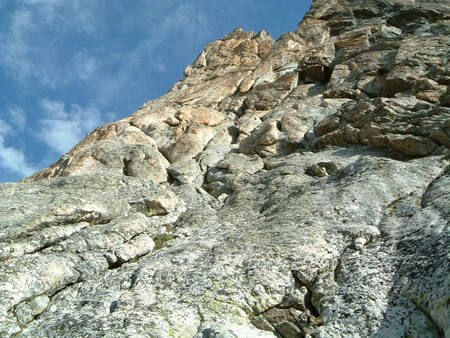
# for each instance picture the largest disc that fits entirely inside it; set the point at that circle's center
(289, 188)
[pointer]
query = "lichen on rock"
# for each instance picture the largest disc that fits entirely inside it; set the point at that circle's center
(289, 188)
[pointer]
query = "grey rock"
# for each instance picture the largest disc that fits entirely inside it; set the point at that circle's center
(162, 203)
(25, 312)
(186, 172)
(291, 188)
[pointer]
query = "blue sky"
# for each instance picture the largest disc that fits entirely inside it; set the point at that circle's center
(69, 66)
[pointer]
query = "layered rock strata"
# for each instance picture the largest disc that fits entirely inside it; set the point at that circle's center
(290, 188)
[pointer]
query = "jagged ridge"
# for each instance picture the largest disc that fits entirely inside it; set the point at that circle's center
(296, 187)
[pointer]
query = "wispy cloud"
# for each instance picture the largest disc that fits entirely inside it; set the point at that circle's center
(176, 30)
(17, 117)
(12, 159)
(189, 20)
(63, 127)
(85, 65)
(32, 45)
(5, 128)
(60, 43)
(15, 47)
(77, 14)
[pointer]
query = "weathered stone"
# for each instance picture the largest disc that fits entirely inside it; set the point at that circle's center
(327, 125)
(189, 144)
(262, 324)
(207, 117)
(211, 92)
(239, 164)
(385, 124)
(316, 170)
(163, 203)
(315, 69)
(138, 246)
(356, 38)
(294, 126)
(25, 312)
(261, 140)
(186, 172)
(114, 149)
(359, 243)
(201, 215)
(322, 169)
(248, 122)
(267, 95)
(289, 330)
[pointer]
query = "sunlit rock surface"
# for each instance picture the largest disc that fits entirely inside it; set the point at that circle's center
(289, 188)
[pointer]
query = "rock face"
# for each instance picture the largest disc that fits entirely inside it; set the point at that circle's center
(290, 188)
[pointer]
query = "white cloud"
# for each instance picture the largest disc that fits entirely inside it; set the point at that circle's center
(35, 45)
(85, 65)
(15, 161)
(160, 66)
(17, 117)
(12, 159)
(5, 128)
(63, 128)
(32, 37)
(54, 109)
(182, 25)
(189, 20)
(15, 48)
(80, 13)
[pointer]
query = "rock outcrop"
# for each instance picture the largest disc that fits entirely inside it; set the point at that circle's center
(290, 188)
